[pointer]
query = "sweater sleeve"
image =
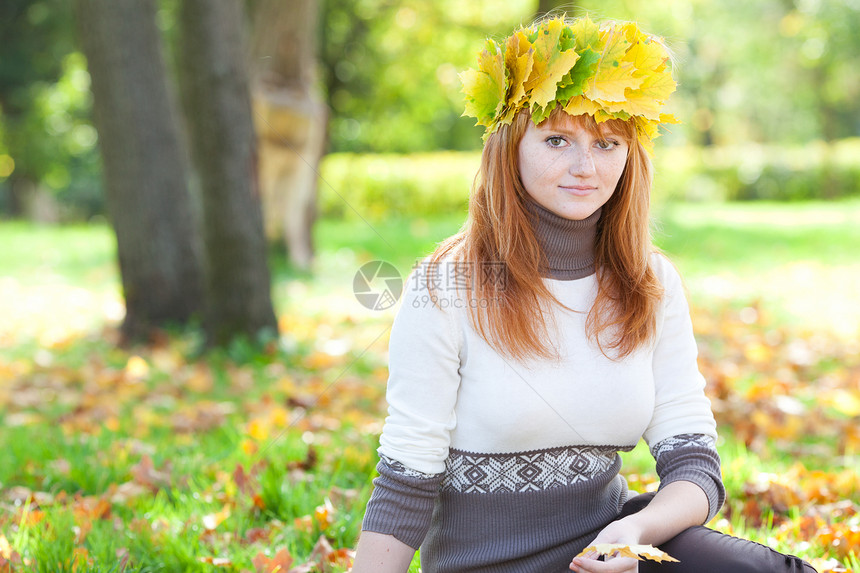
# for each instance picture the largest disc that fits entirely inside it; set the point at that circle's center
(402, 502)
(682, 432)
(681, 406)
(693, 458)
(424, 361)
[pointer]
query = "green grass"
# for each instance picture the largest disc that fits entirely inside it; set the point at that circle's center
(76, 421)
(779, 253)
(74, 254)
(790, 248)
(759, 235)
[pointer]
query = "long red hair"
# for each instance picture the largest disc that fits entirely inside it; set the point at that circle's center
(514, 302)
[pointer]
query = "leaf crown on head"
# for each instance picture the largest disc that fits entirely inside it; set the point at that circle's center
(609, 71)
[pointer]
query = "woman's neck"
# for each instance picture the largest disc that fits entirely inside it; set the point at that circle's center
(567, 244)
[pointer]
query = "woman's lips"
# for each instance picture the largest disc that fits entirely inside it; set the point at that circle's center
(578, 190)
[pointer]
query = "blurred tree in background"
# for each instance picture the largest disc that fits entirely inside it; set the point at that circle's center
(290, 116)
(174, 266)
(145, 171)
(217, 101)
(773, 72)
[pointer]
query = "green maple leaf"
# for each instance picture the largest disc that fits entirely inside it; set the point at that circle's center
(541, 113)
(574, 83)
(485, 87)
(550, 63)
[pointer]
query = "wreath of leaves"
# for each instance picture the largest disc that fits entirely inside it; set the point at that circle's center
(612, 71)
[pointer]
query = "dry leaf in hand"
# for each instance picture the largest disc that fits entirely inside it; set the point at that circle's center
(639, 552)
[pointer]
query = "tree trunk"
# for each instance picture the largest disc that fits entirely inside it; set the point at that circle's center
(223, 144)
(145, 172)
(290, 117)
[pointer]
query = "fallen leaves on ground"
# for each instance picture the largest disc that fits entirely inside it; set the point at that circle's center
(771, 386)
(323, 560)
(778, 386)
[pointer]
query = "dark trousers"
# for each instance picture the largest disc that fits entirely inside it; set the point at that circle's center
(703, 550)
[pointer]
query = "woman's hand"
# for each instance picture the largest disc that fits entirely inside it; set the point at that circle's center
(624, 531)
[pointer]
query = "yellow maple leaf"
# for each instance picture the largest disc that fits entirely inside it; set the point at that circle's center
(648, 131)
(613, 44)
(550, 64)
(648, 98)
(586, 33)
(613, 75)
(604, 114)
(485, 87)
(611, 82)
(646, 54)
(638, 552)
(519, 60)
(579, 105)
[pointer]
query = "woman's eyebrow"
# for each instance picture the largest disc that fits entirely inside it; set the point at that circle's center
(560, 128)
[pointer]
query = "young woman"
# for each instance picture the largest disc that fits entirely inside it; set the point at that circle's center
(548, 335)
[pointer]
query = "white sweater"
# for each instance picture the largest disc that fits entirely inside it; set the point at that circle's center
(449, 389)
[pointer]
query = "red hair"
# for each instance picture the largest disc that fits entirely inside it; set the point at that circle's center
(499, 231)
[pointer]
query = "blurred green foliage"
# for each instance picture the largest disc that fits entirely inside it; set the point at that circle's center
(756, 79)
(421, 184)
(390, 69)
(770, 71)
(377, 185)
(46, 136)
(748, 171)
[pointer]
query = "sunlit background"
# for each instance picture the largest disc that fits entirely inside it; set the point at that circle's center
(756, 199)
(768, 91)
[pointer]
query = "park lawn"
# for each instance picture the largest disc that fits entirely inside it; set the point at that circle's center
(151, 459)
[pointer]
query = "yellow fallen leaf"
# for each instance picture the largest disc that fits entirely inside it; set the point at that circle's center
(213, 520)
(258, 430)
(844, 401)
(136, 369)
(5, 547)
(639, 552)
(324, 514)
(216, 561)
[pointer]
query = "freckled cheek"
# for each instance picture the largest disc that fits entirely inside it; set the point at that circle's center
(613, 172)
(537, 171)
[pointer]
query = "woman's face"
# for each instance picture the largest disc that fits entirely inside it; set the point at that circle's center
(568, 169)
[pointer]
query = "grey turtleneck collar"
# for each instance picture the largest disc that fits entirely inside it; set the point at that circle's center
(567, 244)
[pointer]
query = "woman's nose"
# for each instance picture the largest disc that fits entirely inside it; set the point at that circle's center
(581, 162)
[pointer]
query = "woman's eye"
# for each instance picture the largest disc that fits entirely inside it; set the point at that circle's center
(605, 144)
(555, 141)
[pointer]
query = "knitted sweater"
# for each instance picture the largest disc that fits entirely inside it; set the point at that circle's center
(490, 464)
